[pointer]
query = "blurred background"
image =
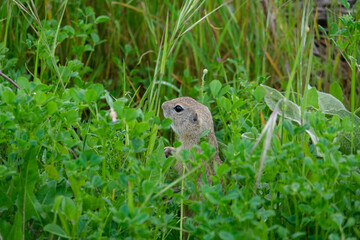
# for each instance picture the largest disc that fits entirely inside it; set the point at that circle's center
(118, 43)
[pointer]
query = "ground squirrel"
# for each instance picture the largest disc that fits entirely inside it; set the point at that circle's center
(189, 119)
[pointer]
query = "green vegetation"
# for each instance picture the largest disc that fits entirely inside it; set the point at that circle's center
(82, 137)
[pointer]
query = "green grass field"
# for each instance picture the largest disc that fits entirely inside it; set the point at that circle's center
(82, 133)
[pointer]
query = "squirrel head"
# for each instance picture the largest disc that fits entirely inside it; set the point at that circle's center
(189, 117)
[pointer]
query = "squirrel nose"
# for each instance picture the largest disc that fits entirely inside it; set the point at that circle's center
(163, 106)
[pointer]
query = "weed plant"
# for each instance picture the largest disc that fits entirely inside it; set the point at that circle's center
(82, 135)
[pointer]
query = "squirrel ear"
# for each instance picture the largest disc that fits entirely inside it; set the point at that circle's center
(194, 118)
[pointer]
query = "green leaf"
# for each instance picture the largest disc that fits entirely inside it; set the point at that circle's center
(142, 127)
(323, 30)
(101, 19)
(47, 192)
(223, 90)
(96, 181)
(158, 164)
(226, 235)
(95, 37)
(71, 116)
(226, 104)
(98, 88)
(90, 158)
(92, 203)
(298, 235)
(342, 44)
(237, 104)
(215, 87)
(259, 93)
(127, 48)
(204, 133)
(137, 143)
(88, 48)
(148, 187)
(130, 114)
(51, 107)
(334, 236)
(288, 126)
(69, 208)
(119, 107)
(6, 202)
(16, 230)
(77, 94)
(345, 3)
(51, 171)
(351, 222)
(333, 29)
(345, 140)
(338, 218)
(264, 214)
(336, 91)
(140, 218)
(166, 123)
(56, 230)
(312, 98)
(292, 111)
(8, 96)
(23, 83)
(28, 177)
(328, 104)
(69, 30)
(223, 169)
(90, 95)
(177, 144)
(6, 227)
(283, 232)
(357, 24)
(76, 185)
(40, 97)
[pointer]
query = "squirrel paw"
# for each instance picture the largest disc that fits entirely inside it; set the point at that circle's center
(168, 151)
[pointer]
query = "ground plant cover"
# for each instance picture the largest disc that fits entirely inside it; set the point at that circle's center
(82, 133)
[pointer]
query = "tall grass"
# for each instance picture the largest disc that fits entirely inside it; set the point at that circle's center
(240, 41)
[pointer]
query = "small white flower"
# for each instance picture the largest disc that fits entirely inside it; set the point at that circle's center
(113, 115)
(34, 93)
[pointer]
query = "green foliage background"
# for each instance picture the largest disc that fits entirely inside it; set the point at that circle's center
(70, 171)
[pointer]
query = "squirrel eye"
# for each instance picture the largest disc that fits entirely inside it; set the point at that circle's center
(178, 108)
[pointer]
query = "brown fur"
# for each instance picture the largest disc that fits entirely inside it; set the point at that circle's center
(188, 125)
